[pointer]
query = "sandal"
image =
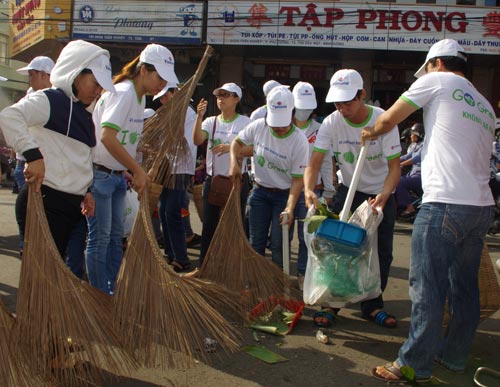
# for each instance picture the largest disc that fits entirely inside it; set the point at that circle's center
(394, 375)
(181, 267)
(381, 318)
(328, 316)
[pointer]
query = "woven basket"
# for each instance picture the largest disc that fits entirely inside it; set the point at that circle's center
(489, 289)
(198, 199)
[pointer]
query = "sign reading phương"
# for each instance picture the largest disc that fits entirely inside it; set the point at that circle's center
(352, 25)
(140, 22)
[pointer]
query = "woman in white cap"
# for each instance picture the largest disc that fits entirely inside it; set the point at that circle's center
(219, 130)
(280, 154)
(305, 103)
(119, 119)
(53, 130)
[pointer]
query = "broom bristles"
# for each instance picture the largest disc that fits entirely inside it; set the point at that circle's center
(15, 370)
(161, 313)
(231, 260)
(62, 322)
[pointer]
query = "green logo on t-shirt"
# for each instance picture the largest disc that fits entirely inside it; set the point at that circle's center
(261, 161)
(133, 137)
(349, 157)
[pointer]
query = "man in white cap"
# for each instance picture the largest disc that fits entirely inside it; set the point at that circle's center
(457, 209)
(341, 132)
(305, 103)
(38, 72)
(261, 111)
(280, 153)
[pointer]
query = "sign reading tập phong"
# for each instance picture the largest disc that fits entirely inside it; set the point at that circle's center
(352, 25)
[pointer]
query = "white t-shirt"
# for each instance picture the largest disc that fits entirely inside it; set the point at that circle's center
(344, 138)
(276, 159)
(459, 127)
(225, 132)
(326, 171)
(260, 112)
(124, 112)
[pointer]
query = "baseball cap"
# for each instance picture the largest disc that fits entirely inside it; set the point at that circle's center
(163, 92)
(163, 61)
(231, 87)
(445, 47)
(38, 63)
(280, 106)
(269, 85)
(344, 86)
(304, 96)
(148, 113)
(101, 68)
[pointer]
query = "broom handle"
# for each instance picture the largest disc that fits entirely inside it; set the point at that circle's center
(354, 184)
(285, 245)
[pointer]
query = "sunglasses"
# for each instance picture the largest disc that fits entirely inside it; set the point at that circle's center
(225, 95)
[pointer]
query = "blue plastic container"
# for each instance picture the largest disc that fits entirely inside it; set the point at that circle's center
(342, 232)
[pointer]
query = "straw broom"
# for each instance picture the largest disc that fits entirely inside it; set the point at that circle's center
(161, 313)
(231, 260)
(14, 369)
(62, 321)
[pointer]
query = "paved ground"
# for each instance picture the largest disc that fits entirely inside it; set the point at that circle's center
(356, 345)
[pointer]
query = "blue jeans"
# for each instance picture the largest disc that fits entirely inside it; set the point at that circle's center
(174, 237)
(19, 173)
(385, 238)
(299, 215)
(405, 185)
(445, 253)
(105, 246)
(264, 209)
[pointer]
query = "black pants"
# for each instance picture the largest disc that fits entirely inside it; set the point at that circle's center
(62, 210)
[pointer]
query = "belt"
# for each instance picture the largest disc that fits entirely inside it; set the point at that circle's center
(99, 167)
(271, 189)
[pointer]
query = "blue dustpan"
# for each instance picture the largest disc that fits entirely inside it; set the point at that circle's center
(339, 230)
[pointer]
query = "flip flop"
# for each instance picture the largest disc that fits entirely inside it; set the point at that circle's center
(326, 313)
(381, 319)
(399, 377)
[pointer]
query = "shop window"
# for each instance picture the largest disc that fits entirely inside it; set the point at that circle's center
(277, 71)
(466, 2)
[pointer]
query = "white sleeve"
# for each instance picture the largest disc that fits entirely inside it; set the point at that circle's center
(326, 171)
(16, 120)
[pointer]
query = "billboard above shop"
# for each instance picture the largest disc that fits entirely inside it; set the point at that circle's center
(33, 21)
(178, 22)
(352, 25)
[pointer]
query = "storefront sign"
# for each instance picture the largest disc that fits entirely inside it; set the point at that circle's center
(352, 25)
(141, 21)
(35, 20)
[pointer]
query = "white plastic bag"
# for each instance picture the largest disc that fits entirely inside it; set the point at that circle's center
(131, 208)
(337, 275)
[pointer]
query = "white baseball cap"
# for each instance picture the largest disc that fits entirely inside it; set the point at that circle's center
(163, 92)
(148, 113)
(163, 61)
(304, 96)
(445, 47)
(344, 86)
(101, 68)
(280, 106)
(231, 87)
(269, 85)
(38, 63)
